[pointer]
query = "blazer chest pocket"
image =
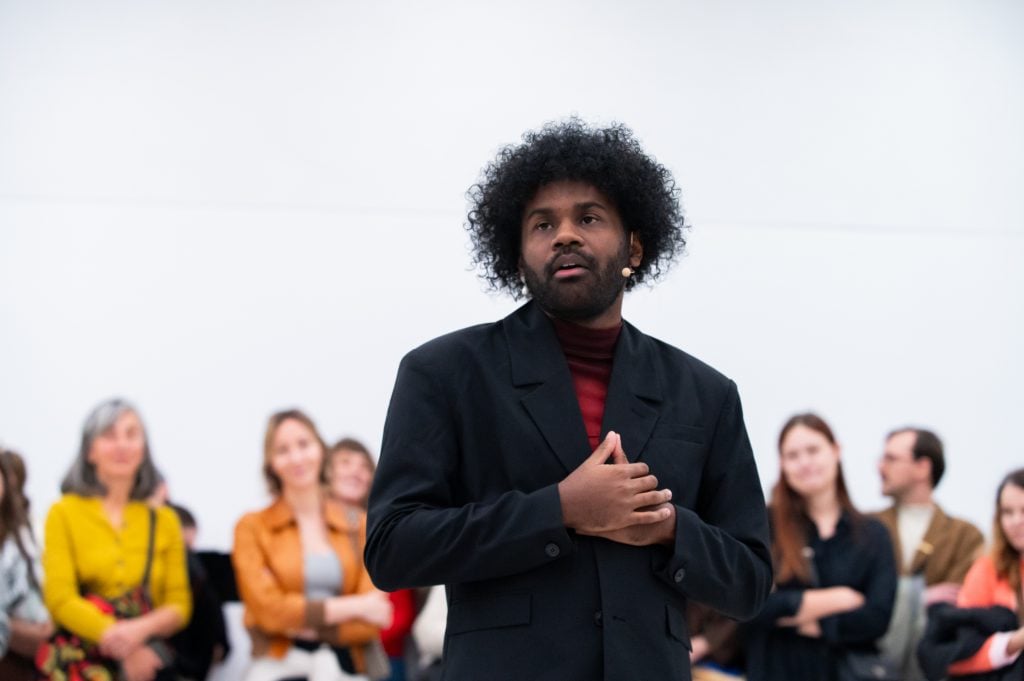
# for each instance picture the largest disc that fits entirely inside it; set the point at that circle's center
(678, 431)
(490, 612)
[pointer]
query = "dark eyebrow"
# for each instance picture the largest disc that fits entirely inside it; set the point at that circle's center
(586, 205)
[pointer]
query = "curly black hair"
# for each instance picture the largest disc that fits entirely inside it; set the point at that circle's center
(610, 159)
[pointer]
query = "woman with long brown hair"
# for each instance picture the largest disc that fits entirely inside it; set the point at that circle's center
(995, 579)
(24, 621)
(835, 573)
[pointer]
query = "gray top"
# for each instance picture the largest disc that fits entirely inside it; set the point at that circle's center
(322, 572)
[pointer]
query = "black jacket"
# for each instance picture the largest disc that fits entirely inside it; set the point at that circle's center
(859, 555)
(483, 424)
(955, 634)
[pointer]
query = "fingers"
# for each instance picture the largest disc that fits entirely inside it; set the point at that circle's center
(642, 482)
(650, 517)
(605, 449)
(618, 455)
(652, 498)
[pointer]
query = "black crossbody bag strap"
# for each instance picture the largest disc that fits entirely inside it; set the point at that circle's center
(149, 550)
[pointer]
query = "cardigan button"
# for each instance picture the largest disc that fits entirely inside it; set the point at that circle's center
(679, 574)
(552, 550)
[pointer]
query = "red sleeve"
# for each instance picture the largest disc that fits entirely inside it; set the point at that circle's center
(393, 637)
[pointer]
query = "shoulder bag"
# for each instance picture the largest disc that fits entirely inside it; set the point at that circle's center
(67, 656)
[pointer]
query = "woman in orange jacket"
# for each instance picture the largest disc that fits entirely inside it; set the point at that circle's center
(310, 606)
(995, 579)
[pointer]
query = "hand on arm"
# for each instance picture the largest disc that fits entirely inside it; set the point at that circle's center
(372, 607)
(124, 637)
(698, 648)
(598, 499)
(141, 665)
(946, 592)
(1016, 642)
(26, 636)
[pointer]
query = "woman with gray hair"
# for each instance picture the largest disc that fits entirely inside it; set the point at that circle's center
(114, 568)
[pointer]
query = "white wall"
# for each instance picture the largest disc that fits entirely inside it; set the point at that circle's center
(219, 209)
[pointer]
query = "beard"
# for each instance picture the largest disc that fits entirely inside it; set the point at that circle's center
(581, 300)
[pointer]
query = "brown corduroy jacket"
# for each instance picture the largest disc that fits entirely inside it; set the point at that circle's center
(945, 554)
(268, 561)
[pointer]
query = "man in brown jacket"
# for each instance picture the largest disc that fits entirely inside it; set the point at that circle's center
(933, 550)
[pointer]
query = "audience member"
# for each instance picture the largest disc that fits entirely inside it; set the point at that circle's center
(995, 580)
(933, 550)
(204, 641)
(108, 556)
(835, 572)
(715, 651)
(309, 603)
(349, 476)
(24, 622)
(428, 632)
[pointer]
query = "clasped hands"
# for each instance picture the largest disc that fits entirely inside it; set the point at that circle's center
(620, 502)
(125, 640)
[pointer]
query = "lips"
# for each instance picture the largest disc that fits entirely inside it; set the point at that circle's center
(569, 265)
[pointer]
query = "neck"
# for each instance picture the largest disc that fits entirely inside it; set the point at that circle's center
(611, 317)
(303, 500)
(918, 495)
(119, 492)
(823, 505)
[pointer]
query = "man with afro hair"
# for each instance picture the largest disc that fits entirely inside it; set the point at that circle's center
(572, 481)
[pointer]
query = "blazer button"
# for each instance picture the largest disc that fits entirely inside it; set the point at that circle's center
(552, 550)
(598, 618)
(678, 576)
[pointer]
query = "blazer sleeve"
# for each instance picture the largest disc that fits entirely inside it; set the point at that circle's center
(419, 533)
(60, 588)
(870, 621)
(721, 556)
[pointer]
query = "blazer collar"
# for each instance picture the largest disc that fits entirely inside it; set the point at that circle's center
(537, 360)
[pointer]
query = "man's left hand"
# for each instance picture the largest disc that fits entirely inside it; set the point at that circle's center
(662, 532)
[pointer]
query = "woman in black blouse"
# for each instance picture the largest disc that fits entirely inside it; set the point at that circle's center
(834, 568)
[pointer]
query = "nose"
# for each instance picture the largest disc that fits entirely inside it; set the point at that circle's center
(566, 234)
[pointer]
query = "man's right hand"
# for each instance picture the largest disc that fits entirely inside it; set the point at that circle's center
(600, 498)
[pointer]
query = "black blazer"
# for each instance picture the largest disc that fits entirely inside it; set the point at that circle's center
(483, 424)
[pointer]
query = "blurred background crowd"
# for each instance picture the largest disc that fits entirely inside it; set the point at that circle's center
(111, 582)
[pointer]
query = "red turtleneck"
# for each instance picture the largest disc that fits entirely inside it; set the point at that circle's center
(589, 353)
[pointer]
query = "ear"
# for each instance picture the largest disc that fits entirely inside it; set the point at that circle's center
(636, 250)
(923, 469)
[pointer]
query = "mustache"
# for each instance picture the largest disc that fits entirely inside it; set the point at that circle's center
(589, 261)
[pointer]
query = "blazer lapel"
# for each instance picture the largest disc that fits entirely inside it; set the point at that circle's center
(539, 366)
(634, 389)
(937, 529)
